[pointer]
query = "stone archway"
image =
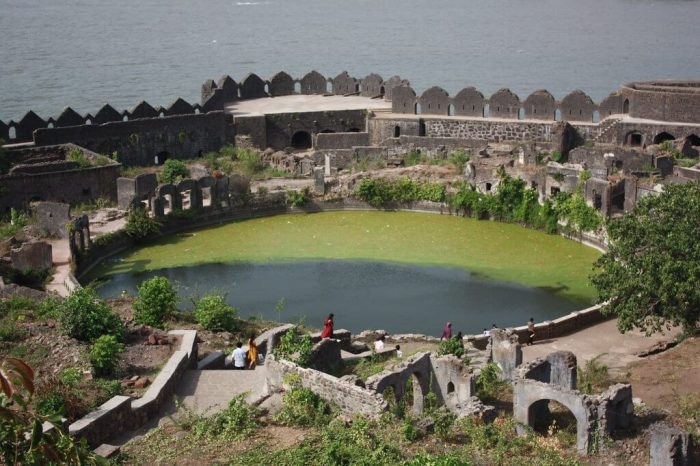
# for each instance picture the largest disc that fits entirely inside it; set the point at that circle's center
(663, 137)
(531, 399)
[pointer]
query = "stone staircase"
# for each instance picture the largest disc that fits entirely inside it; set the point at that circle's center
(606, 127)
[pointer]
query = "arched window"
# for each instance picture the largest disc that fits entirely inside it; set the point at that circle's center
(301, 140)
(397, 131)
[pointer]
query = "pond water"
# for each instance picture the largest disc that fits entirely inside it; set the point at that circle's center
(84, 53)
(361, 294)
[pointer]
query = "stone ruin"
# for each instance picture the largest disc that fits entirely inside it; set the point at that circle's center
(554, 378)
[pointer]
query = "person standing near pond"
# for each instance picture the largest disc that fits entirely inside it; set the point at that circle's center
(252, 352)
(531, 331)
(327, 327)
(447, 331)
(239, 356)
(460, 340)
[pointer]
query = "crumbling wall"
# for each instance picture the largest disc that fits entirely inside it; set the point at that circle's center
(506, 351)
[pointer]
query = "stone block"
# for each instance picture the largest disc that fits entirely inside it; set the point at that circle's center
(53, 217)
(506, 351)
(32, 256)
(670, 446)
(319, 181)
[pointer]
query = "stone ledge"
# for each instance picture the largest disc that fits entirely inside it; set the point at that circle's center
(122, 413)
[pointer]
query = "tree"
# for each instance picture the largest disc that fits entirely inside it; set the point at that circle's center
(174, 170)
(649, 277)
(156, 302)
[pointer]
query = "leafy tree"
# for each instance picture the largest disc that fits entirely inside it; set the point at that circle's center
(156, 302)
(174, 170)
(294, 348)
(85, 317)
(649, 277)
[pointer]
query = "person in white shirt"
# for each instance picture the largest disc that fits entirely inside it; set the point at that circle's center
(399, 353)
(239, 357)
(379, 344)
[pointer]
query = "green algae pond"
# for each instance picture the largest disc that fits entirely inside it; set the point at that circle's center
(401, 264)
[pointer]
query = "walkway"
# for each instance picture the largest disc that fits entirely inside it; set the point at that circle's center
(60, 251)
(211, 390)
(603, 338)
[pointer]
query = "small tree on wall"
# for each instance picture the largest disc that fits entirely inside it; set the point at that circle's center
(649, 276)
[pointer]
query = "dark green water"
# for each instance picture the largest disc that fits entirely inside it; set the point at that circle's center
(363, 295)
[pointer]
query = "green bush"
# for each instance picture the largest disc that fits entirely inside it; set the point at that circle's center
(85, 317)
(250, 161)
(379, 192)
(458, 158)
(10, 330)
(303, 408)
(212, 313)
(451, 346)
(298, 198)
(140, 225)
(294, 348)
(78, 156)
(156, 302)
(489, 381)
(238, 420)
(104, 355)
(174, 170)
(593, 377)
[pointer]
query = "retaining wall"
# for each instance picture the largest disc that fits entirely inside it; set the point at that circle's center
(121, 414)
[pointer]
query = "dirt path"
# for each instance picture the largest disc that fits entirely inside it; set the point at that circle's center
(618, 349)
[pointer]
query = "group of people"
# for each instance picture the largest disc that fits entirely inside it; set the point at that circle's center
(447, 332)
(378, 343)
(245, 359)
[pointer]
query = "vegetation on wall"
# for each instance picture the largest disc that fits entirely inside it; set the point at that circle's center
(173, 171)
(380, 191)
(140, 225)
(294, 348)
(648, 278)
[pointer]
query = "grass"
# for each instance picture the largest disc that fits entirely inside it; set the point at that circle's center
(495, 250)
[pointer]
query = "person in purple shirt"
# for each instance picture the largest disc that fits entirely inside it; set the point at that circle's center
(447, 331)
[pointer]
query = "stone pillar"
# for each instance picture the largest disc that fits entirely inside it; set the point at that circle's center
(157, 208)
(319, 181)
(670, 446)
(195, 197)
(506, 351)
(327, 165)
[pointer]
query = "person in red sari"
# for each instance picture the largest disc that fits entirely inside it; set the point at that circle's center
(328, 327)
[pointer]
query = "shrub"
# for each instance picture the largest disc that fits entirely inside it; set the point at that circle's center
(85, 317)
(140, 225)
(458, 158)
(250, 161)
(303, 408)
(557, 156)
(174, 170)
(237, 421)
(156, 302)
(294, 348)
(298, 198)
(593, 377)
(212, 313)
(451, 346)
(104, 355)
(78, 156)
(380, 191)
(489, 381)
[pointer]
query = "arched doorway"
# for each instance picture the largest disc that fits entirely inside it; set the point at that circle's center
(626, 106)
(634, 139)
(549, 417)
(397, 131)
(301, 140)
(663, 137)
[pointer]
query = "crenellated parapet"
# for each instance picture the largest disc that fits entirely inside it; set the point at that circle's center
(23, 130)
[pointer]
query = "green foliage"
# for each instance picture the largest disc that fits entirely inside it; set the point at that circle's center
(299, 198)
(557, 156)
(156, 302)
(593, 377)
(451, 346)
(294, 348)
(78, 156)
(412, 158)
(213, 313)
(380, 191)
(250, 161)
(104, 355)
(648, 278)
(303, 408)
(458, 158)
(173, 171)
(489, 382)
(24, 440)
(140, 225)
(17, 221)
(237, 421)
(410, 431)
(85, 317)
